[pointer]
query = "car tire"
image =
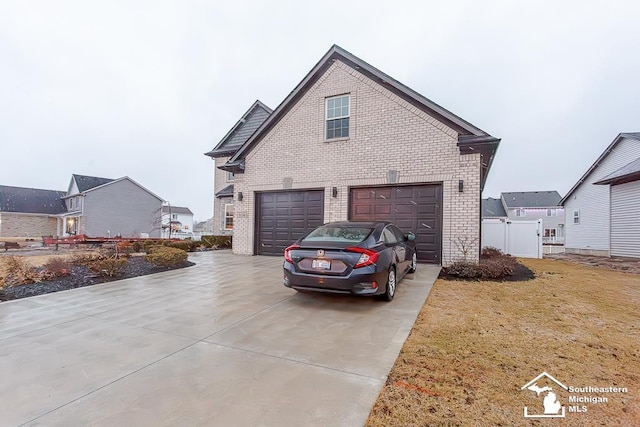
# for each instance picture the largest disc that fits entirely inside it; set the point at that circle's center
(414, 263)
(390, 289)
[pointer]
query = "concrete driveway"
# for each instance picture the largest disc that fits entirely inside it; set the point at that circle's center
(220, 343)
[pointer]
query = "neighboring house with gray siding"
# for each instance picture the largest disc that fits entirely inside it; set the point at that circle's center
(602, 209)
(29, 212)
(96, 207)
(350, 142)
(534, 205)
(103, 207)
(223, 180)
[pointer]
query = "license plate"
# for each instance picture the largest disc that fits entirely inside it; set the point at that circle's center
(321, 264)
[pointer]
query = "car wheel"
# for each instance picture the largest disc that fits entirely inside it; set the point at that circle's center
(414, 263)
(391, 285)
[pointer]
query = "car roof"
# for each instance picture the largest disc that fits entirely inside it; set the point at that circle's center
(371, 224)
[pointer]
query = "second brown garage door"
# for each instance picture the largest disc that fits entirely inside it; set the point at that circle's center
(285, 216)
(415, 208)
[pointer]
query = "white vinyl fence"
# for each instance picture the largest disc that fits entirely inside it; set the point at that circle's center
(518, 238)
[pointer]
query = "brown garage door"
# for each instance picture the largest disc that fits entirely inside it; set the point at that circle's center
(285, 216)
(415, 208)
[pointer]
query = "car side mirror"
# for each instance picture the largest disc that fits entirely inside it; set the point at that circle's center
(410, 237)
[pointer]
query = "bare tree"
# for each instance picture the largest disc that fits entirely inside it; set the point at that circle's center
(464, 243)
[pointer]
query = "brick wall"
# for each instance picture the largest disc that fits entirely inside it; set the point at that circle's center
(386, 133)
(25, 225)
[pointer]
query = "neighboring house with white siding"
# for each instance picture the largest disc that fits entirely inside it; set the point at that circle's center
(177, 222)
(603, 208)
(350, 142)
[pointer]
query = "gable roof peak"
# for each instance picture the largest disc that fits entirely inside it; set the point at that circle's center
(461, 126)
(605, 153)
(85, 182)
(241, 130)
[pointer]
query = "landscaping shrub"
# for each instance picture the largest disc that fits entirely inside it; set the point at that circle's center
(137, 246)
(55, 268)
(185, 245)
(18, 272)
(216, 241)
(165, 256)
(85, 258)
(111, 266)
(489, 252)
(464, 269)
(124, 247)
(493, 265)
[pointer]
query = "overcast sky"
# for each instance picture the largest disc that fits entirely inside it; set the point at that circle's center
(144, 88)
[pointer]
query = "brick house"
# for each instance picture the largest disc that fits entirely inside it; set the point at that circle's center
(350, 142)
(223, 180)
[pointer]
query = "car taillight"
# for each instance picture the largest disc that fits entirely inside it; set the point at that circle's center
(367, 256)
(287, 253)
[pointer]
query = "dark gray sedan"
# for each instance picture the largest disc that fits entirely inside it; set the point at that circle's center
(360, 258)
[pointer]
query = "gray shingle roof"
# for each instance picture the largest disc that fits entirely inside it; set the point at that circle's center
(627, 173)
(531, 199)
(492, 208)
(242, 130)
(31, 200)
(225, 192)
(86, 183)
(177, 210)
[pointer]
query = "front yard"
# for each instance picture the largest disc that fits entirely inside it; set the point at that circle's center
(475, 344)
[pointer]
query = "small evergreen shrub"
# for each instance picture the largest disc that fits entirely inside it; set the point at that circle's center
(185, 245)
(164, 256)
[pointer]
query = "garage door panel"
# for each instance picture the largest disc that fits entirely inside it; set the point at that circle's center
(413, 208)
(403, 209)
(382, 210)
(283, 217)
(382, 193)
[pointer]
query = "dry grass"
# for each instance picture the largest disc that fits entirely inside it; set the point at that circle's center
(475, 344)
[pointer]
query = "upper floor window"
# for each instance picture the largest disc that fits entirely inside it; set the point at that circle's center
(337, 117)
(71, 203)
(230, 176)
(576, 217)
(174, 216)
(551, 212)
(521, 212)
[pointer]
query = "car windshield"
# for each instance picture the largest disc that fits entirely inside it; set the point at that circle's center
(338, 234)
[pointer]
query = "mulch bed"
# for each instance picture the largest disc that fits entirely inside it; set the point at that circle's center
(80, 276)
(521, 273)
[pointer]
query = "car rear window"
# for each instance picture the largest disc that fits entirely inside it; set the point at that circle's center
(338, 234)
